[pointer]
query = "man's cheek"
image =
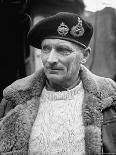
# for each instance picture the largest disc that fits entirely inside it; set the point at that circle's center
(44, 61)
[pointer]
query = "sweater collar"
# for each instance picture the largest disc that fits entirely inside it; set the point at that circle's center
(62, 95)
(88, 79)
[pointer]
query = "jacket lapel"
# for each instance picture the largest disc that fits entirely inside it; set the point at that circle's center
(98, 95)
(92, 114)
(15, 127)
(92, 118)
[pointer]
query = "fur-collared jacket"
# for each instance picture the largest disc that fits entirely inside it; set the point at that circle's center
(21, 103)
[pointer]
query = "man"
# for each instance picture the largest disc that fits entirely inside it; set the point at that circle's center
(63, 108)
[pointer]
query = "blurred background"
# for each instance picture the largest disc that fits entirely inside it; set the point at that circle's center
(18, 59)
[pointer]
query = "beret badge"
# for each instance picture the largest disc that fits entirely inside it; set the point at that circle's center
(63, 29)
(78, 29)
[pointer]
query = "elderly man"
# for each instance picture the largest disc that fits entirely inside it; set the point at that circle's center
(63, 109)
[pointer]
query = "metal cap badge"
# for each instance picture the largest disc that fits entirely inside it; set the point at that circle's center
(63, 29)
(78, 29)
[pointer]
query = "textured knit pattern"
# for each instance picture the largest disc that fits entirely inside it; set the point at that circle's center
(58, 128)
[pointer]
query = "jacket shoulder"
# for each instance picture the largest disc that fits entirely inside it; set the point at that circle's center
(106, 87)
(106, 84)
(24, 84)
(20, 84)
(100, 86)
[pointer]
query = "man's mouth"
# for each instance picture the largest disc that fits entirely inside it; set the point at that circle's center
(53, 70)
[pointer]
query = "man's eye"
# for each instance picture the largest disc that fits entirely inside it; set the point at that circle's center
(46, 49)
(64, 51)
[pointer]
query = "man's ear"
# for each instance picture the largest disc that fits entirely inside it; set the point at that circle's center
(86, 53)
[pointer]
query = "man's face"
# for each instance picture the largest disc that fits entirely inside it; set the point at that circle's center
(61, 60)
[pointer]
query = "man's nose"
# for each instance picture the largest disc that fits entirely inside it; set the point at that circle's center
(52, 57)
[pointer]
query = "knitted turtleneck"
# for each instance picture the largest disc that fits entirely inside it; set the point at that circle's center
(58, 128)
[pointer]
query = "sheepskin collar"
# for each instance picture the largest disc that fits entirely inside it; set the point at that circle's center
(16, 126)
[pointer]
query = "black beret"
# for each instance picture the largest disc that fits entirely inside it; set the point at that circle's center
(63, 25)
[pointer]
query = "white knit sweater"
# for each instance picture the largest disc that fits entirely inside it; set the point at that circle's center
(58, 128)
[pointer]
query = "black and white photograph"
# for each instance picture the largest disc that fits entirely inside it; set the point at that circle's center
(58, 77)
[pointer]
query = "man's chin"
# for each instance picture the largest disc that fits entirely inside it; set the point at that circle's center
(54, 78)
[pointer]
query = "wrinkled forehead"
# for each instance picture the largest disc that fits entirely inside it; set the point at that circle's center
(59, 42)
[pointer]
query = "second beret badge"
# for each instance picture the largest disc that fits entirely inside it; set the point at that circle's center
(78, 29)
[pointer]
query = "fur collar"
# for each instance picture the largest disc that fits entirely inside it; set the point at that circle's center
(16, 126)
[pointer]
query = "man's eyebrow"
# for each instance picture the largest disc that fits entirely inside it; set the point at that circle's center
(64, 46)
